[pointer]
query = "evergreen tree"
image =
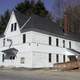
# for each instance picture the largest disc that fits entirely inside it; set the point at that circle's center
(28, 7)
(40, 9)
(23, 6)
(4, 20)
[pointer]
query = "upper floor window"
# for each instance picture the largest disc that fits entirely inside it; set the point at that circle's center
(50, 57)
(24, 38)
(3, 42)
(57, 42)
(63, 43)
(50, 40)
(69, 44)
(15, 26)
(12, 27)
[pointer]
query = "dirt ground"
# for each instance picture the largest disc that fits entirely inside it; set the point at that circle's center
(44, 74)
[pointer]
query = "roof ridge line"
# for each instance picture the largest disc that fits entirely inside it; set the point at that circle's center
(25, 23)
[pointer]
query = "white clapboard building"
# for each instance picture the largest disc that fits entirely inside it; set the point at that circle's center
(36, 42)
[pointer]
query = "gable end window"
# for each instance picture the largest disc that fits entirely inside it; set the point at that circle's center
(24, 38)
(15, 26)
(12, 27)
(50, 40)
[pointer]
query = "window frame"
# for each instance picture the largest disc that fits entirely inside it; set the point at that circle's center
(50, 40)
(2, 57)
(24, 38)
(22, 60)
(64, 58)
(57, 42)
(70, 44)
(63, 43)
(4, 42)
(15, 26)
(50, 57)
(57, 58)
(12, 27)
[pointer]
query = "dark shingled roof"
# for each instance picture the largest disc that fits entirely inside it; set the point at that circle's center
(20, 18)
(42, 23)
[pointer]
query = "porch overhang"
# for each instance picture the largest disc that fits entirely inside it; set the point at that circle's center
(74, 52)
(10, 51)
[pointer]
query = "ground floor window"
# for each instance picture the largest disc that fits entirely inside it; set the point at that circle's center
(57, 58)
(22, 60)
(50, 57)
(8, 57)
(72, 58)
(64, 58)
(2, 57)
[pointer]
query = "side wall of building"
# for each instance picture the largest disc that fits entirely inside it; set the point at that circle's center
(35, 51)
(41, 50)
(24, 50)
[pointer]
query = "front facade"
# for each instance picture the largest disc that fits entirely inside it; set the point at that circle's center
(24, 46)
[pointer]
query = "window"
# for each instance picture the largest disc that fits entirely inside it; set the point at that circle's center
(64, 58)
(69, 44)
(50, 57)
(63, 43)
(15, 24)
(11, 27)
(12, 57)
(72, 58)
(22, 60)
(2, 57)
(3, 42)
(57, 58)
(49, 40)
(57, 42)
(24, 38)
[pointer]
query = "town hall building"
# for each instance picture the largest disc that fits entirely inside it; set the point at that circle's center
(36, 42)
